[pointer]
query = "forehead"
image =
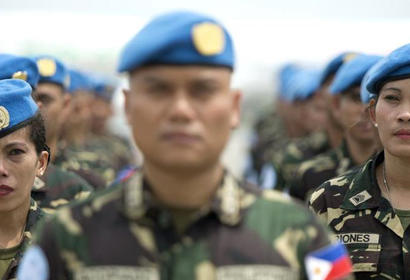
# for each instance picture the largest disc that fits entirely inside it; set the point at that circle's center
(402, 85)
(21, 135)
(48, 88)
(180, 73)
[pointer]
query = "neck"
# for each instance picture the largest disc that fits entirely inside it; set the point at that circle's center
(397, 179)
(397, 171)
(334, 133)
(52, 144)
(185, 189)
(12, 225)
(359, 151)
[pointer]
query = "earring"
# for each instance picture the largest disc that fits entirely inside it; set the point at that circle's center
(376, 125)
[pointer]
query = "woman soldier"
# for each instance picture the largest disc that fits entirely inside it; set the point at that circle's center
(369, 208)
(23, 156)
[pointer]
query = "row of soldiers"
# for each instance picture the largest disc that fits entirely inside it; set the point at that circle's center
(312, 134)
(183, 215)
(76, 105)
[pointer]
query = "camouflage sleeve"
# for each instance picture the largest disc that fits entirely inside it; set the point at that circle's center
(60, 239)
(317, 203)
(292, 229)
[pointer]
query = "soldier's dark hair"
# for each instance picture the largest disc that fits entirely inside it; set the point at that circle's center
(38, 133)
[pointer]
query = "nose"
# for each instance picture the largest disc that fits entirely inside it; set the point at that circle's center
(181, 109)
(3, 169)
(404, 116)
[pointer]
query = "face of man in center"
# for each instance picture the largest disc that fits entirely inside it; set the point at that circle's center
(181, 116)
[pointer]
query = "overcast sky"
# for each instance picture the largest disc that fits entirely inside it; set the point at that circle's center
(266, 33)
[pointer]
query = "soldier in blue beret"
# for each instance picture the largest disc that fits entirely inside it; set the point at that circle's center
(56, 187)
(19, 67)
(23, 156)
(76, 130)
(330, 137)
(373, 200)
(183, 216)
(359, 136)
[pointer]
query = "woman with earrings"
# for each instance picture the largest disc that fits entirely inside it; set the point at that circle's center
(369, 208)
(23, 156)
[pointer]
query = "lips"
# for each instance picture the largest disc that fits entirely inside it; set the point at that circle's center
(403, 133)
(180, 137)
(5, 190)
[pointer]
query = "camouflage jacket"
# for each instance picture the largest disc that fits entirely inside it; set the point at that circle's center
(270, 138)
(58, 187)
(312, 173)
(298, 151)
(35, 214)
(244, 233)
(103, 155)
(353, 207)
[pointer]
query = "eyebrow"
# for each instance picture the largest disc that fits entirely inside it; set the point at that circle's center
(16, 143)
(393, 89)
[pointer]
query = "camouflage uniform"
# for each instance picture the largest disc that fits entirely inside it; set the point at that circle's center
(122, 233)
(103, 155)
(33, 217)
(314, 172)
(270, 139)
(58, 187)
(297, 152)
(353, 207)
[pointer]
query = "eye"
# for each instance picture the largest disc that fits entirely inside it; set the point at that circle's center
(391, 97)
(203, 90)
(16, 152)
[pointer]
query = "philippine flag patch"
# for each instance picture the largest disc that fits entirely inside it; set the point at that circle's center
(329, 263)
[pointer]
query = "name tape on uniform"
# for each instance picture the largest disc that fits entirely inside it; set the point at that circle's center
(117, 272)
(361, 238)
(255, 272)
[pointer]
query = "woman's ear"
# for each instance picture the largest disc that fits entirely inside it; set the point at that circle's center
(42, 163)
(372, 111)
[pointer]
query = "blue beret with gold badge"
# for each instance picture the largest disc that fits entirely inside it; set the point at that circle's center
(395, 66)
(16, 104)
(179, 38)
(19, 67)
(352, 72)
(333, 65)
(52, 70)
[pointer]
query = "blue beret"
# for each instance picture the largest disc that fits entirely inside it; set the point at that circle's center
(393, 67)
(104, 87)
(19, 67)
(286, 74)
(52, 70)
(180, 38)
(304, 84)
(352, 72)
(16, 104)
(365, 95)
(79, 81)
(334, 64)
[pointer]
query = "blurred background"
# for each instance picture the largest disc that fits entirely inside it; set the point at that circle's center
(267, 34)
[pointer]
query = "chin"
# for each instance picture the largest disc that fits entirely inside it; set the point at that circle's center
(400, 151)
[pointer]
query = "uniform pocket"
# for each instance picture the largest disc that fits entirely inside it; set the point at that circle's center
(365, 257)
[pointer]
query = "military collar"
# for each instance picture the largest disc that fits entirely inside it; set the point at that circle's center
(226, 203)
(364, 191)
(34, 215)
(40, 183)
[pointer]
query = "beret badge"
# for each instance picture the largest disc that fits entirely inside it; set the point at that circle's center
(47, 67)
(208, 38)
(4, 118)
(22, 75)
